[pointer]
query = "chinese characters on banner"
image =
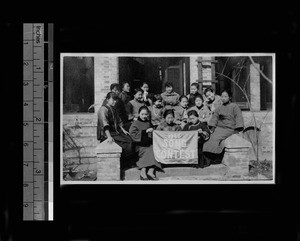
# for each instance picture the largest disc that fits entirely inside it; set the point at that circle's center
(176, 147)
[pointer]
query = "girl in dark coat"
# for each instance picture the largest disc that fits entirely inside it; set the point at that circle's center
(141, 133)
(110, 126)
(226, 120)
(168, 123)
(204, 133)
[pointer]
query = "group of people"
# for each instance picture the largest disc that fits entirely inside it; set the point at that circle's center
(130, 122)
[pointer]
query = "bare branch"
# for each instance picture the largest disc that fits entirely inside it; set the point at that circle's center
(265, 77)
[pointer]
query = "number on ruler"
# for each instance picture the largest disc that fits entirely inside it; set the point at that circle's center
(38, 171)
(25, 144)
(25, 205)
(38, 119)
(25, 164)
(25, 83)
(25, 104)
(25, 124)
(25, 185)
(25, 63)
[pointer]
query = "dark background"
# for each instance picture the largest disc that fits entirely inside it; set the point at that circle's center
(163, 212)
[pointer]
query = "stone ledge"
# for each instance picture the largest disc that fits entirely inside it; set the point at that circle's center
(107, 148)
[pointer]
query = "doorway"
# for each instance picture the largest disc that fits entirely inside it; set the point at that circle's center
(156, 71)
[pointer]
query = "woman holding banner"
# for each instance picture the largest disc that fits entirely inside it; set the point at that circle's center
(168, 124)
(204, 133)
(141, 133)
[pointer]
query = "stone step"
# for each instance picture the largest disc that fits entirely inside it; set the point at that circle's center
(82, 160)
(182, 172)
(87, 151)
(89, 119)
(83, 141)
(82, 131)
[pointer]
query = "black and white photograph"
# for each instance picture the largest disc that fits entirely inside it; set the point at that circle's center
(167, 118)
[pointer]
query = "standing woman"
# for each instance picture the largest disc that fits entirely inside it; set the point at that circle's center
(141, 133)
(168, 124)
(135, 104)
(170, 98)
(226, 120)
(110, 126)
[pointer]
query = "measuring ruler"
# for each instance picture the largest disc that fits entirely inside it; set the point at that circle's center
(37, 121)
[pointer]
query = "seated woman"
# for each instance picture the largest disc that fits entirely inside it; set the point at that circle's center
(146, 95)
(226, 120)
(204, 133)
(141, 133)
(212, 100)
(156, 111)
(202, 110)
(110, 126)
(194, 92)
(180, 111)
(168, 123)
(170, 98)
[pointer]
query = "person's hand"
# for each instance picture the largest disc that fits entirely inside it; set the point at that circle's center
(200, 131)
(110, 140)
(125, 132)
(135, 118)
(149, 130)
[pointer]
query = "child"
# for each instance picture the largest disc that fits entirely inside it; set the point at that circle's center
(168, 124)
(156, 111)
(196, 124)
(170, 98)
(193, 94)
(180, 111)
(140, 131)
(202, 110)
(135, 104)
(146, 99)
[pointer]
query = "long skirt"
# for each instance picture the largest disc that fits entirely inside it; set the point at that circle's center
(146, 157)
(215, 144)
(125, 142)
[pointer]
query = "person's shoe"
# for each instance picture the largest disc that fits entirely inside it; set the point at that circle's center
(144, 178)
(153, 178)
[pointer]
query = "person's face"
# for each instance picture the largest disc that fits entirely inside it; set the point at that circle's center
(145, 87)
(144, 114)
(198, 102)
(126, 87)
(138, 96)
(193, 119)
(158, 103)
(111, 102)
(193, 89)
(116, 90)
(225, 97)
(184, 102)
(210, 96)
(169, 89)
(169, 119)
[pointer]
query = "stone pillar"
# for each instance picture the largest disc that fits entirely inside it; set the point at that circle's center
(236, 156)
(255, 87)
(193, 71)
(108, 165)
(106, 72)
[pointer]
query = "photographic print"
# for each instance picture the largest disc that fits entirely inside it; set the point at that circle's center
(171, 118)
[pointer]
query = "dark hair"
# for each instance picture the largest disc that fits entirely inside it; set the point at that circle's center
(137, 90)
(168, 84)
(111, 95)
(124, 83)
(144, 83)
(115, 85)
(143, 108)
(196, 85)
(156, 97)
(199, 96)
(169, 111)
(183, 96)
(208, 89)
(228, 92)
(192, 112)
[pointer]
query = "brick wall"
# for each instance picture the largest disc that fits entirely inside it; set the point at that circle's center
(106, 73)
